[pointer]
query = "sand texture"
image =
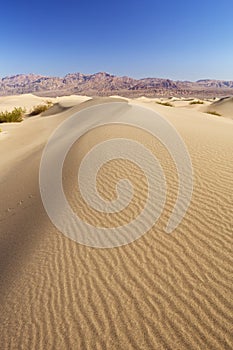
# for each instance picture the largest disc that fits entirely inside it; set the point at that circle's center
(163, 291)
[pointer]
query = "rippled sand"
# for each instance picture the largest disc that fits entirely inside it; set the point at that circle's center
(159, 292)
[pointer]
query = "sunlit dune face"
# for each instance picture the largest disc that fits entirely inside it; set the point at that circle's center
(112, 172)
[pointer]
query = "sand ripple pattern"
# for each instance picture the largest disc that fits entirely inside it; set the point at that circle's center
(52, 193)
(161, 292)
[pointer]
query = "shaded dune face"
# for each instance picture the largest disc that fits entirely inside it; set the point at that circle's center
(161, 291)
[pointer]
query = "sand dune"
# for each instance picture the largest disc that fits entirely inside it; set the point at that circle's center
(224, 106)
(28, 101)
(159, 292)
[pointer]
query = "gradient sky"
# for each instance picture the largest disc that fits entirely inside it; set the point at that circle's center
(182, 39)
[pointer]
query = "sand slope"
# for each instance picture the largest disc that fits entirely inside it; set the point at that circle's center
(160, 292)
(28, 101)
(224, 106)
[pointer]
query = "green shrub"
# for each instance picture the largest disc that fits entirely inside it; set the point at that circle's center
(196, 102)
(14, 116)
(214, 113)
(41, 108)
(168, 104)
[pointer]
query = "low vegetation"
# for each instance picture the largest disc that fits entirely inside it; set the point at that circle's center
(214, 113)
(41, 108)
(16, 115)
(196, 102)
(168, 104)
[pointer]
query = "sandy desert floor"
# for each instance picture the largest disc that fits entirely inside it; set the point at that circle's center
(162, 291)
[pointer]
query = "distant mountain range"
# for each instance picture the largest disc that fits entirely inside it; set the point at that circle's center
(104, 84)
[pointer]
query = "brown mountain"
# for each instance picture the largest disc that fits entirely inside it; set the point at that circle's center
(105, 84)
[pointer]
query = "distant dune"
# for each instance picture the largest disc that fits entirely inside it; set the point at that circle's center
(159, 292)
(29, 101)
(224, 106)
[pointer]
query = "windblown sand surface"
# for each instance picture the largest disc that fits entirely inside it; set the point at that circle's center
(223, 106)
(159, 292)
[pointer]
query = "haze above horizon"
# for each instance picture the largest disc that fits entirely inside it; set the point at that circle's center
(175, 40)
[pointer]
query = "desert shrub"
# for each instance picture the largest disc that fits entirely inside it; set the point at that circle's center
(41, 108)
(214, 113)
(168, 104)
(196, 102)
(14, 116)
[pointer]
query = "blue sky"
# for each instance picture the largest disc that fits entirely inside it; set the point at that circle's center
(186, 40)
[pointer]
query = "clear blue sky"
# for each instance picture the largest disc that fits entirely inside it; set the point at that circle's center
(178, 39)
